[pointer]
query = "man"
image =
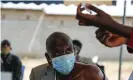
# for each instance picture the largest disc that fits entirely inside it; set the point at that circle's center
(78, 46)
(10, 62)
(110, 33)
(62, 65)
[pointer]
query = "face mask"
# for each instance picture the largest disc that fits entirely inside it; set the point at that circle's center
(6, 51)
(64, 64)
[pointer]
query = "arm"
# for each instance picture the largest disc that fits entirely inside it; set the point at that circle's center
(120, 29)
(96, 73)
(17, 69)
(113, 40)
(101, 75)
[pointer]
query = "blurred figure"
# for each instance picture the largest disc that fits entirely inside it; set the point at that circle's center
(78, 46)
(61, 62)
(10, 62)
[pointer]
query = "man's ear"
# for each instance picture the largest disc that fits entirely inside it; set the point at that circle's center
(48, 58)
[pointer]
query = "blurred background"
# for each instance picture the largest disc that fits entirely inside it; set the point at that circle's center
(27, 24)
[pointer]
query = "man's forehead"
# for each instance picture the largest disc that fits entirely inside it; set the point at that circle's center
(60, 42)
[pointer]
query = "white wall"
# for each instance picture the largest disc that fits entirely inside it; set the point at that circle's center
(20, 31)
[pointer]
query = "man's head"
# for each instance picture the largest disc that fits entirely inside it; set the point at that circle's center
(60, 52)
(77, 46)
(5, 47)
(58, 44)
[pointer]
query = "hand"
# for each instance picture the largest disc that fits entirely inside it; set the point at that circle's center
(109, 39)
(100, 19)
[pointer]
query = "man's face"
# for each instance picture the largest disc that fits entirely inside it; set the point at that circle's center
(61, 48)
(5, 49)
(60, 53)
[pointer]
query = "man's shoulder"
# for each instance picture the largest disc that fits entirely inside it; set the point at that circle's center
(88, 66)
(40, 72)
(91, 70)
(42, 66)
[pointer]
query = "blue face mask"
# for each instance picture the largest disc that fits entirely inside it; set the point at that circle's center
(64, 64)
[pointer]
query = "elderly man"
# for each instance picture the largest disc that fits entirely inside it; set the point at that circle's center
(61, 62)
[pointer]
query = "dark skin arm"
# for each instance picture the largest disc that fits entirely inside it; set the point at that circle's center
(109, 39)
(95, 73)
(102, 20)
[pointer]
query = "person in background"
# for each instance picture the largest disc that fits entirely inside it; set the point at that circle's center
(62, 64)
(110, 33)
(78, 47)
(10, 62)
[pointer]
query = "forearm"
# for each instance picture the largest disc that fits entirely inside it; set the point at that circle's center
(120, 29)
